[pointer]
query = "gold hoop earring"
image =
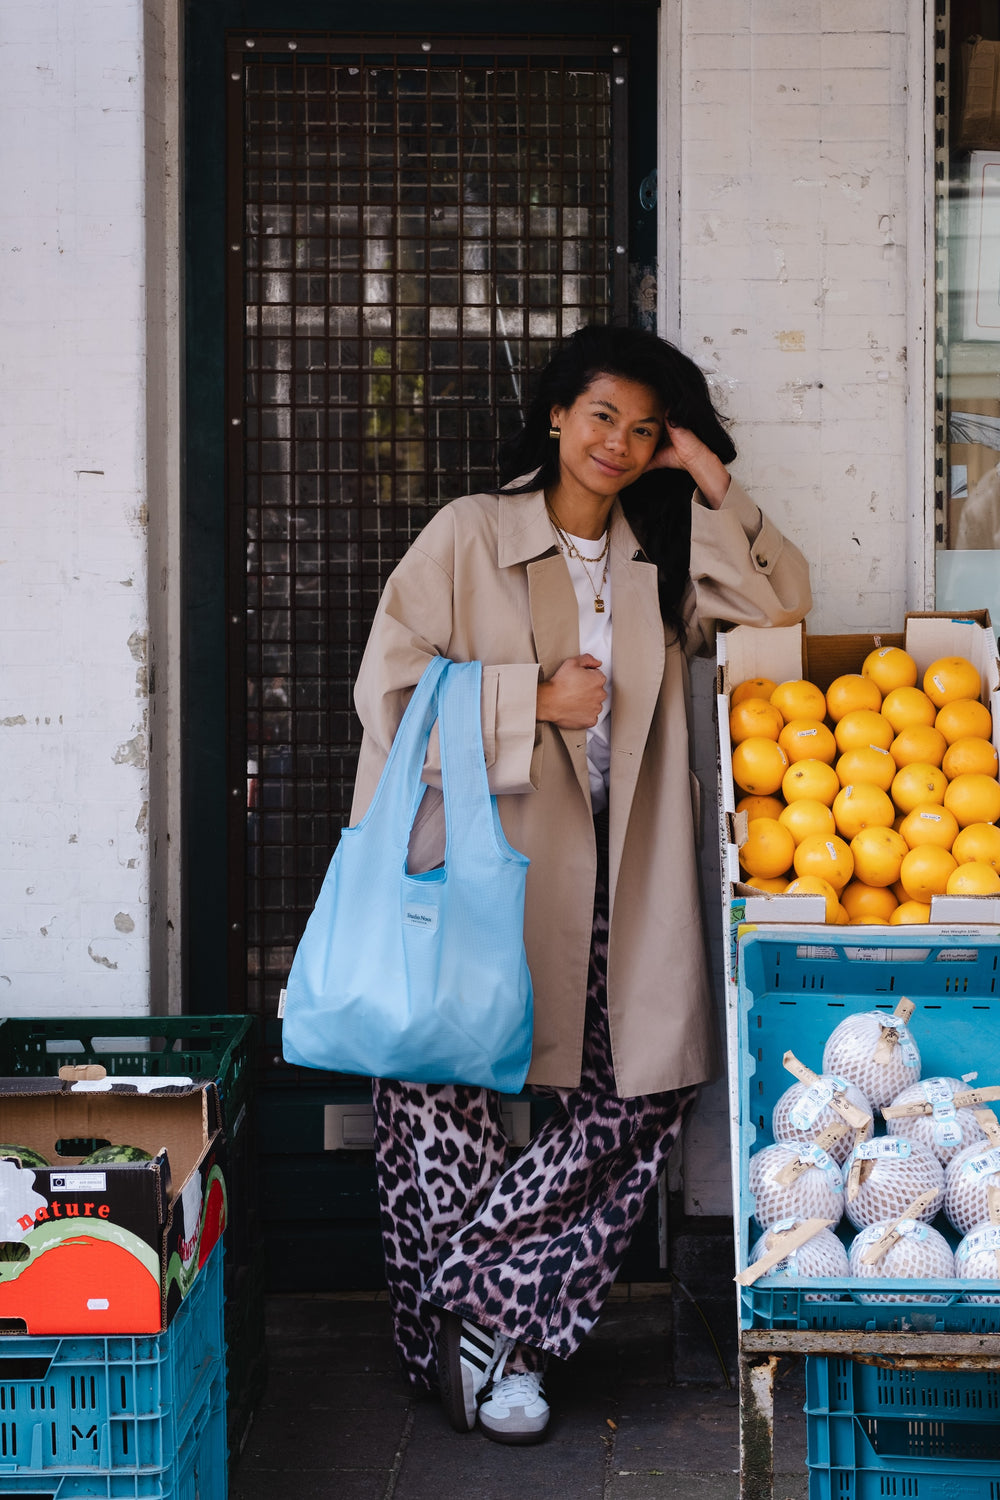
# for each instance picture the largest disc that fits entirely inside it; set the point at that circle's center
(555, 433)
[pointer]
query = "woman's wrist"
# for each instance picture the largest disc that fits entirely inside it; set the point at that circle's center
(712, 478)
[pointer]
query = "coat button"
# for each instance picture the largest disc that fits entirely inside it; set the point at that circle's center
(760, 560)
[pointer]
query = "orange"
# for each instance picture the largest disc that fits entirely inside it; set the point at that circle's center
(973, 879)
(829, 858)
(808, 739)
(878, 855)
(805, 817)
(908, 913)
(815, 885)
(925, 870)
(890, 667)
(754, 687)
(906, 706)
(869, 921)
(927, 823)
(951, 677)
(970, 757)
(863, 726)
(916, 783)
(973, 799)
(810, 778)
(799, 700)
(758, 765)
(869, 764)
(979, 842)
(754, 716)
(918, 742)
(862, 806)
(898, 891)
(768, 849)
(964, 717)
(849, 692)
(760, 807)
(773, 884)
(874, 901)
(841, 919)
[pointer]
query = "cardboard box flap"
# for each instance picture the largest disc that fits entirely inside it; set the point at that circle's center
(775, 651)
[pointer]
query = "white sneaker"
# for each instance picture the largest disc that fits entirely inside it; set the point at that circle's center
(515, 1411)
(467, 1357)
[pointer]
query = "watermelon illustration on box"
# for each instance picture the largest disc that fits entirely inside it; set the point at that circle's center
(110, 1202)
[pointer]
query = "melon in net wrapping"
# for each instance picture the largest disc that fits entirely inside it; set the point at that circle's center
(804, 1110)
(921, 1253)
(892, 1172)
(853, 1050)
(948, 1130)
(976, 1260)
(817, 1191)
(966, 1179)
(822, 1255)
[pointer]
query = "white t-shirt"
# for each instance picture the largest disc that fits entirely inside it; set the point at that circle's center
(595, 639)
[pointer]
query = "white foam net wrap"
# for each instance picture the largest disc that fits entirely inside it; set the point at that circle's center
(966, 1178)
(920, 1254)
(948, 1130)
(823, 1255)
(816, 1193)
(976, 1260)
(894, 1172)
(850, 1053)
(804, 1110)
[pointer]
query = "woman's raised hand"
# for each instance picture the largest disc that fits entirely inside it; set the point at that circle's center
(682, 449)
(574, 695)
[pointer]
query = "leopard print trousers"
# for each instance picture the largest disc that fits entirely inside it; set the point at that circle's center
(531, 1248)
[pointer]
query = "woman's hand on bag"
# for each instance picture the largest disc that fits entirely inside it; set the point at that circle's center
(681, 449)
(574, 695)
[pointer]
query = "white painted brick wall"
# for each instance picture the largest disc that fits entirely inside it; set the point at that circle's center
(73, 751)
(793, 300)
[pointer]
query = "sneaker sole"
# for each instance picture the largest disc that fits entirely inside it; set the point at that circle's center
(514, 1439)
(457, 1395)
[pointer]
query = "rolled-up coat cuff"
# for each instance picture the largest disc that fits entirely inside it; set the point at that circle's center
(766, 541)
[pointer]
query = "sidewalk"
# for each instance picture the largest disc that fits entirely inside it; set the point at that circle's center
(336, 1424)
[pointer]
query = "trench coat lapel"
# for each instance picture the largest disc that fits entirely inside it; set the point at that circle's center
(637, 655)
(525, 537)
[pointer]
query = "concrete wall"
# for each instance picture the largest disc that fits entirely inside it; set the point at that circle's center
(74, 860)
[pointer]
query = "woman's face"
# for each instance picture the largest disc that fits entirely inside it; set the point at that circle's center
(608, 435)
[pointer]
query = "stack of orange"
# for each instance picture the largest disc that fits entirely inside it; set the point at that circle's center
(877, 794)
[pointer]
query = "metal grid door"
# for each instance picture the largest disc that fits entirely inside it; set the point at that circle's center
(411, 227)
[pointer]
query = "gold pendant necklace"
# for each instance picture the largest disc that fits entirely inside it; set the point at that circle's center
(570, 549)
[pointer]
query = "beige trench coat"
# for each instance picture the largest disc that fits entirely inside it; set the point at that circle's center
(485, 582)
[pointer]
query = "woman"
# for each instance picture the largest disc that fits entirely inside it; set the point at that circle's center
(582, 588)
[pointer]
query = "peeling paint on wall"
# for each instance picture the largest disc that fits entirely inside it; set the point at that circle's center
(99, 959)
(132, 753)
(13, 721)
(123, 922)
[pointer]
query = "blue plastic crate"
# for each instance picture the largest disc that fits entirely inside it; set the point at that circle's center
(110, 1404)
(198, 1470)
(884, 1432)
(793, 988)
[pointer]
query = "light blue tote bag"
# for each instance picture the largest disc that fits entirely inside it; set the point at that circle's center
(420, 977)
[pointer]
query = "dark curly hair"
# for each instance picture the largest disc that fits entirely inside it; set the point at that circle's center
(656, 506)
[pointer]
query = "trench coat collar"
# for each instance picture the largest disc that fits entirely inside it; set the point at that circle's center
(525, 536)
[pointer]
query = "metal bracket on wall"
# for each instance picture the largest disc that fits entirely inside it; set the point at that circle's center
(351, 1127)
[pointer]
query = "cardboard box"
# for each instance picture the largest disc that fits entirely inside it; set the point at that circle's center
(110, 1249)
(784, 653)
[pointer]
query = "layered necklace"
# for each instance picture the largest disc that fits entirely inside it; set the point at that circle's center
(569, 547)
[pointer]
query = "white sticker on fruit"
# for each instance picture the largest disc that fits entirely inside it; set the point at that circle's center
(947, 1129)
(937, 1090)
(929, 817)
(815, 1156)
(806, 1110)
(896, 1147)
(982, 1165)
(911, 1230)
(986, 1237)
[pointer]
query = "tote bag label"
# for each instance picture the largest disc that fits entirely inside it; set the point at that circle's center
(423, 917)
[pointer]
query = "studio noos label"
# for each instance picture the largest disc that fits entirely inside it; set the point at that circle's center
(422, 917)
